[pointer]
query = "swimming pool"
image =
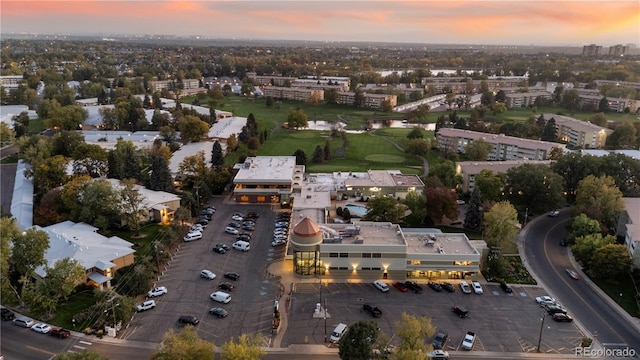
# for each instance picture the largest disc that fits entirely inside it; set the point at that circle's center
(356, 210)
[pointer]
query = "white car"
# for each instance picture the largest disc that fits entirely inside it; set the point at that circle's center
(207, 274)
(237, 218)
(192, 236)
(280, 237)
(477, 288)
(469, 339)
(278, 242)
(41, 328)
(147, 305)
(546, 299)
(230, 230)
(464, 286)
(381, 285)
(159, 291)
(438, 355)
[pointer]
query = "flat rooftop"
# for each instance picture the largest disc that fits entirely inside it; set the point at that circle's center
(261, 169)
(371, 233)
(438, 243)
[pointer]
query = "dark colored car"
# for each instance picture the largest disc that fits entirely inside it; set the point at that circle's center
(202, 221)
(413, 286)
(226, 286)
(7, 314)
(188, 319)
(435, 286)
(440, 340)
(460, 311)
(372, 309)
(243, 237)
(248, 227)
(60, 333)
(221, 248)
(205, 216)
(232, 276)
(234, 224)
(554, 309)
(219, 312)
(562, 317)
(448, 287)
(400, 286)
(506, 287)
(252, 215)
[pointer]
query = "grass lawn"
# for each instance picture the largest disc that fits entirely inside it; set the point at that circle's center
(144, 242)
(519, 115)
(74, 305)
(623, 286)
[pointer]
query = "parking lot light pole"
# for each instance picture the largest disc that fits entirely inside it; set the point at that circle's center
(544, 314)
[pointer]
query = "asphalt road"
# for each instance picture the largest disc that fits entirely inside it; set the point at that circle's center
(548, 260)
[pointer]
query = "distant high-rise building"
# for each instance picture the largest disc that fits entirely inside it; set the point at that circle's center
(618, 50)
(591, 50)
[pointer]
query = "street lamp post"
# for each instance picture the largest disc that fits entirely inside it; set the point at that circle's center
(544, 314)
(325, 320)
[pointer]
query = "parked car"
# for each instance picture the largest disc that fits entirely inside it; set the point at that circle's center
(41, 328)
(226, 286)
(230, 230)
(202, 221)
(280, 237)
(413, 286)
(188, 319)
(243, 237)
(232, 276)
(553, 213)
(464, 286)
(438, 354)
(574, 275)
(448, 287)
(546, 299)
(241, 246)
(207, 211)
(234, 224)
(146, 305)
(237, 218)
(23, 321)
(219, 312)
(221, 248)
(207, 274)
(440, 340)
(435, 286)
(205, 216)
(554, 309)
(252, 215)
(197, 227)
(192, 236)
(158, 291)
(506, 287)
(469, 340)
(248, 227)
(381, 285)
(278, 242)
(372, 309)
(7, 314)
(460, 311)
(562, 317)
(477, 288)
(60, 332)
(400, 286)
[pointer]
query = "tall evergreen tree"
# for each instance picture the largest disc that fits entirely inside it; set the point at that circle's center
(252, 125)
(318, 155)
(327, 150)
(130, 165)
(549, 132)
(301, 157)
(115, 170)
(160, 179)
(473, 218)
(217, 157)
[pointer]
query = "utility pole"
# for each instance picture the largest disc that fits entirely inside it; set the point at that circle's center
(325, 320)
(544, 314)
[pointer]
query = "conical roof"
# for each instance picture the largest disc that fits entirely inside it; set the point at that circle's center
(306, 227)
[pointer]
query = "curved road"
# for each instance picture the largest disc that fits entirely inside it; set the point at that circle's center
(548, 261)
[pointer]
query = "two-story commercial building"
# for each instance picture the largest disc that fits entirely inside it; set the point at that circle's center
(266, 179)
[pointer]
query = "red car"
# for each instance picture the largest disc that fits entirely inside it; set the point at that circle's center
(573, 274)
(400, 286)
(60, 333)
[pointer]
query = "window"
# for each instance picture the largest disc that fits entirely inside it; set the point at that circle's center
(343, 268)
(376, 268)
(462, 263)
(414, 262)
(343, 255)
(365, 268)
(377, 255)
(366, 255)
(333, 254)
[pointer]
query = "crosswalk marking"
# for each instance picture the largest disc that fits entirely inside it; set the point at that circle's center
(85, 342)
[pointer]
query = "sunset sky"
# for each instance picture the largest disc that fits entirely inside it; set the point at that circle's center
(512, 22)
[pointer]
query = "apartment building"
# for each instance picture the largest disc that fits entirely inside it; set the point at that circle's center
(523, 100)
(629, 227)
(371, 101)
(618, 50)
(293, 93)
(159, 85)
(579, 133)
(322, 86)
(591, 50)
(275, 80)
(504, 147)
(468, 170)
(615, 104)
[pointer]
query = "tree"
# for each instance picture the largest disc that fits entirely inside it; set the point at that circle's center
(571, 99)
(624, 170)
(498, 108)
(357, 343)
(91, 160)
(7, 135)
(417, 205)
(301, 157)
(478, 150)
(473, 217)
(99, 203)
(549, 132)
(50, 173)
(535, 187)
(327, 150)
(246, 348)
(412, 331)
(109, 118)
(623, 137)
(9, 231)
(297, 119)
(384, 208)
(582, 226)
(232, 142)
(62, 278)
(501, 224)
(599, 119)
(85, 354)
(441, 202)
(28, 249)
(599, 198)
(160, 179)
(611, 261)
(573, 167)
(586, 246)
(318, 155)
(418, 147)
(446, 172)
(132, 204)
(184, 345)
(217, 156)
(131, 164)
(192, 129)
(416, 133)
(489, 185)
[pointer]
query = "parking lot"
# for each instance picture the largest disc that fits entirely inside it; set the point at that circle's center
(503, 322)
(252, 299)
